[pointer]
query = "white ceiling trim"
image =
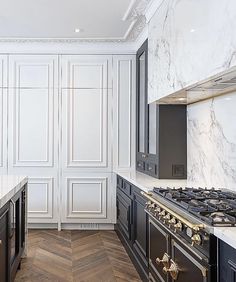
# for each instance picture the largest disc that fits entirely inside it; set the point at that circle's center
(135, 13)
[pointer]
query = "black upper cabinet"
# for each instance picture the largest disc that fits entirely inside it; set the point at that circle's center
(161, 142)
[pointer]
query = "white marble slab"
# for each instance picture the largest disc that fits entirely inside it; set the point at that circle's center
(9, 186)
(211, 142)
(189, 41)
(146, 183)
(226, 234)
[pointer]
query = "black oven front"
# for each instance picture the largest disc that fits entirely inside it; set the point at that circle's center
(172, 258)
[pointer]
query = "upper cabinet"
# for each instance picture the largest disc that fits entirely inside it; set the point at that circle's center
(161, 147)
(3, 71)
(33, 71)
(86, 71)
(189, 41)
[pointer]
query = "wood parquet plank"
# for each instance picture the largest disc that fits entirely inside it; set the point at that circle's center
(76, 256)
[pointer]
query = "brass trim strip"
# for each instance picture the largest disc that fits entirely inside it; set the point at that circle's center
(195, 227)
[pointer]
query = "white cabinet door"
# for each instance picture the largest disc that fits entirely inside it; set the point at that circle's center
(3, 131)
(33, 132)
(86, 71)
(33, 71)
(124, 112)
(3, 71)
(86, 129)
(88, 198)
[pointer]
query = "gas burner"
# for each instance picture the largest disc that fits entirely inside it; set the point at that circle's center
(214, 206)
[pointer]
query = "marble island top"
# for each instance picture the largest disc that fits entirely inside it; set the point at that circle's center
(226, 234)
(9, 186)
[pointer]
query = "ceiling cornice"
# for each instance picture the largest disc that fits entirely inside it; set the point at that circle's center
(135, 14)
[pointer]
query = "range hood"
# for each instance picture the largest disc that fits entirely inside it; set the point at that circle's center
(217, 85)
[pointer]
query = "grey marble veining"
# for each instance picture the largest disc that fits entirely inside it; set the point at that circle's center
(211, 135)
(189, 41)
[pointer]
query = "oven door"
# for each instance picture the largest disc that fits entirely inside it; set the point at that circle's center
(159, 240)
(185, 266)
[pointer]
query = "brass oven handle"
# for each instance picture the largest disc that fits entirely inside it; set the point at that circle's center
(173, 270)
(195, 227)
(165, 260)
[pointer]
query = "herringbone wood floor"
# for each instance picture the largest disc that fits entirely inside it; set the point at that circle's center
(89, 256)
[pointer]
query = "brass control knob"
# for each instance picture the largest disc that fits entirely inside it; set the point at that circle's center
(153, 205)
(157, 210)
(162, 213)
(196, 239)
(148, 204)
(173, 270)
(173, 221)
(167, 217)
(178, 226)
(165, 260)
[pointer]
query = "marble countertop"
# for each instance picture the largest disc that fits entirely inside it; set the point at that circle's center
(9, 186)
(146, 183)
(226, 234)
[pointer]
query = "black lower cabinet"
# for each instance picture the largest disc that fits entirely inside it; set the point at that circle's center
(227, 263)
(5, 243)
(132, 225)
(12, 235)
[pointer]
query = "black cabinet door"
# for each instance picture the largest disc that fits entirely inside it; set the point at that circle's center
(158, 249)
(124, 214)
(4, 245)
(227, 263)
(140, 239)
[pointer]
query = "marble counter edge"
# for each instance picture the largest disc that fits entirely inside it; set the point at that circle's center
(13, 190)
(226, 234)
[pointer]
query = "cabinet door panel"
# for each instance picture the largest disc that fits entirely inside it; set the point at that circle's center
(86, 71)
(88, 198)
(124, 111)
(3, 131)
(140, 240)
(4, 246)
(33, 71)
(33, 123)
(3, 71)
(85, 128)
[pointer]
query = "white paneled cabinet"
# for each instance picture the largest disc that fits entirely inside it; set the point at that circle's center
(69, 125)
(86, 71)
(33, 71)
(86, 129)
(33, 131)
(89, 198)
(124, 94)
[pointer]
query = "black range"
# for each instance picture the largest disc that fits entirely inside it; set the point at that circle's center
(181, 221)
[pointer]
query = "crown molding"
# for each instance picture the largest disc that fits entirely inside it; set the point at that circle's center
(151, 8)
(135, 14)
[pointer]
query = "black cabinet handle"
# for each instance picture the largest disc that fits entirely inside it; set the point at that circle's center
(13, 216)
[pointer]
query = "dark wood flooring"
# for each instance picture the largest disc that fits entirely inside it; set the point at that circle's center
(89, 256)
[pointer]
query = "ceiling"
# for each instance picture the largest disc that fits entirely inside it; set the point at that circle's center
(99, 20)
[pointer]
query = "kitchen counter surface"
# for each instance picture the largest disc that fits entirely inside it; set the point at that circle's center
(9, 186)
(226, 234)
(146, 183)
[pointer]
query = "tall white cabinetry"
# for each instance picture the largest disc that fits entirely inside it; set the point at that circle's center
(70, 124)
(3, 113)
(33, 131)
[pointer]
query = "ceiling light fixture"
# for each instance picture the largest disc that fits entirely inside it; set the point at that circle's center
(77, 30)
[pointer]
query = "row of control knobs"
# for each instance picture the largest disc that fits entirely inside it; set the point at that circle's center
(165, 216)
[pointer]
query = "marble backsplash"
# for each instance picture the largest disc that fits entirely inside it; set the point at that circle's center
(212, 142)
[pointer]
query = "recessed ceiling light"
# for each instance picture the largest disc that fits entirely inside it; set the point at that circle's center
(181, 99)
(192, 30)
(77, 30)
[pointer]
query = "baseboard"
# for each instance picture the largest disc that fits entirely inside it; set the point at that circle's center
(72, 226)
(87, 226)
